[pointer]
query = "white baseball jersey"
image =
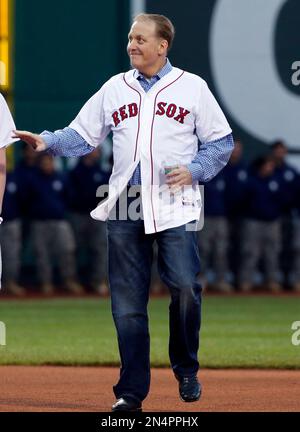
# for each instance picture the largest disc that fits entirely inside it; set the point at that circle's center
(7, 124)
(153, 128)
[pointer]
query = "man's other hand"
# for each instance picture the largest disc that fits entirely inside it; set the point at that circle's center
(179, 177)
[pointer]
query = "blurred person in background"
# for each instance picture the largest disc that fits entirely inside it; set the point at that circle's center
(90, 234)
(235, 174)
(25, 168)
(294, 277)
(26, 165)
(283, 170)
(213, 238)
(11, 236)
(52, 235)
(286, 176)
(261, 236)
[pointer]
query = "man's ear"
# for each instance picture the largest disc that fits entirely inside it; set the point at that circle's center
(163, 47)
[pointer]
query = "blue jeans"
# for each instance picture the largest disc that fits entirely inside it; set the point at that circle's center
(129, 268)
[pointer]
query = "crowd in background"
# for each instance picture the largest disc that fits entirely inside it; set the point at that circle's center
(46, 213)
(251, 234)
(250, 238)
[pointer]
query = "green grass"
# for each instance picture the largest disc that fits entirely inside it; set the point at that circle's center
(239, 332)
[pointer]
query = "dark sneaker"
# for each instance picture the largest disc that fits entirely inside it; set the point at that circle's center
(189, 388)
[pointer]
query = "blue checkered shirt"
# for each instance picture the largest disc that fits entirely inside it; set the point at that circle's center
(210, 159)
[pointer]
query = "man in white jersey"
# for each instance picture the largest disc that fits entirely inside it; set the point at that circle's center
(158, 114)
(6, 127)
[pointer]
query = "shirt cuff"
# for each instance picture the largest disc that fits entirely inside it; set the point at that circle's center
(48, 138)
(196, 171)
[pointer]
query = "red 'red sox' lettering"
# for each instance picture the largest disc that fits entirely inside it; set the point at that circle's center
(131, 110)
(171, 110)
(125, 111)
(122, 112)
(182, 113)
(161, 108)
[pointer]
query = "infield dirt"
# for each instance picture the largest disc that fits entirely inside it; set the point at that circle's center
(53, 388)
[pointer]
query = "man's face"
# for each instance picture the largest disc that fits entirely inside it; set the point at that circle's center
(146, 51)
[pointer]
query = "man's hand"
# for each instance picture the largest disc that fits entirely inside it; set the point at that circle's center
(35, 140)
(179, 177)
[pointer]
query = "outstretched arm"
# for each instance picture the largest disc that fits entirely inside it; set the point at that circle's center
(65, 142)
